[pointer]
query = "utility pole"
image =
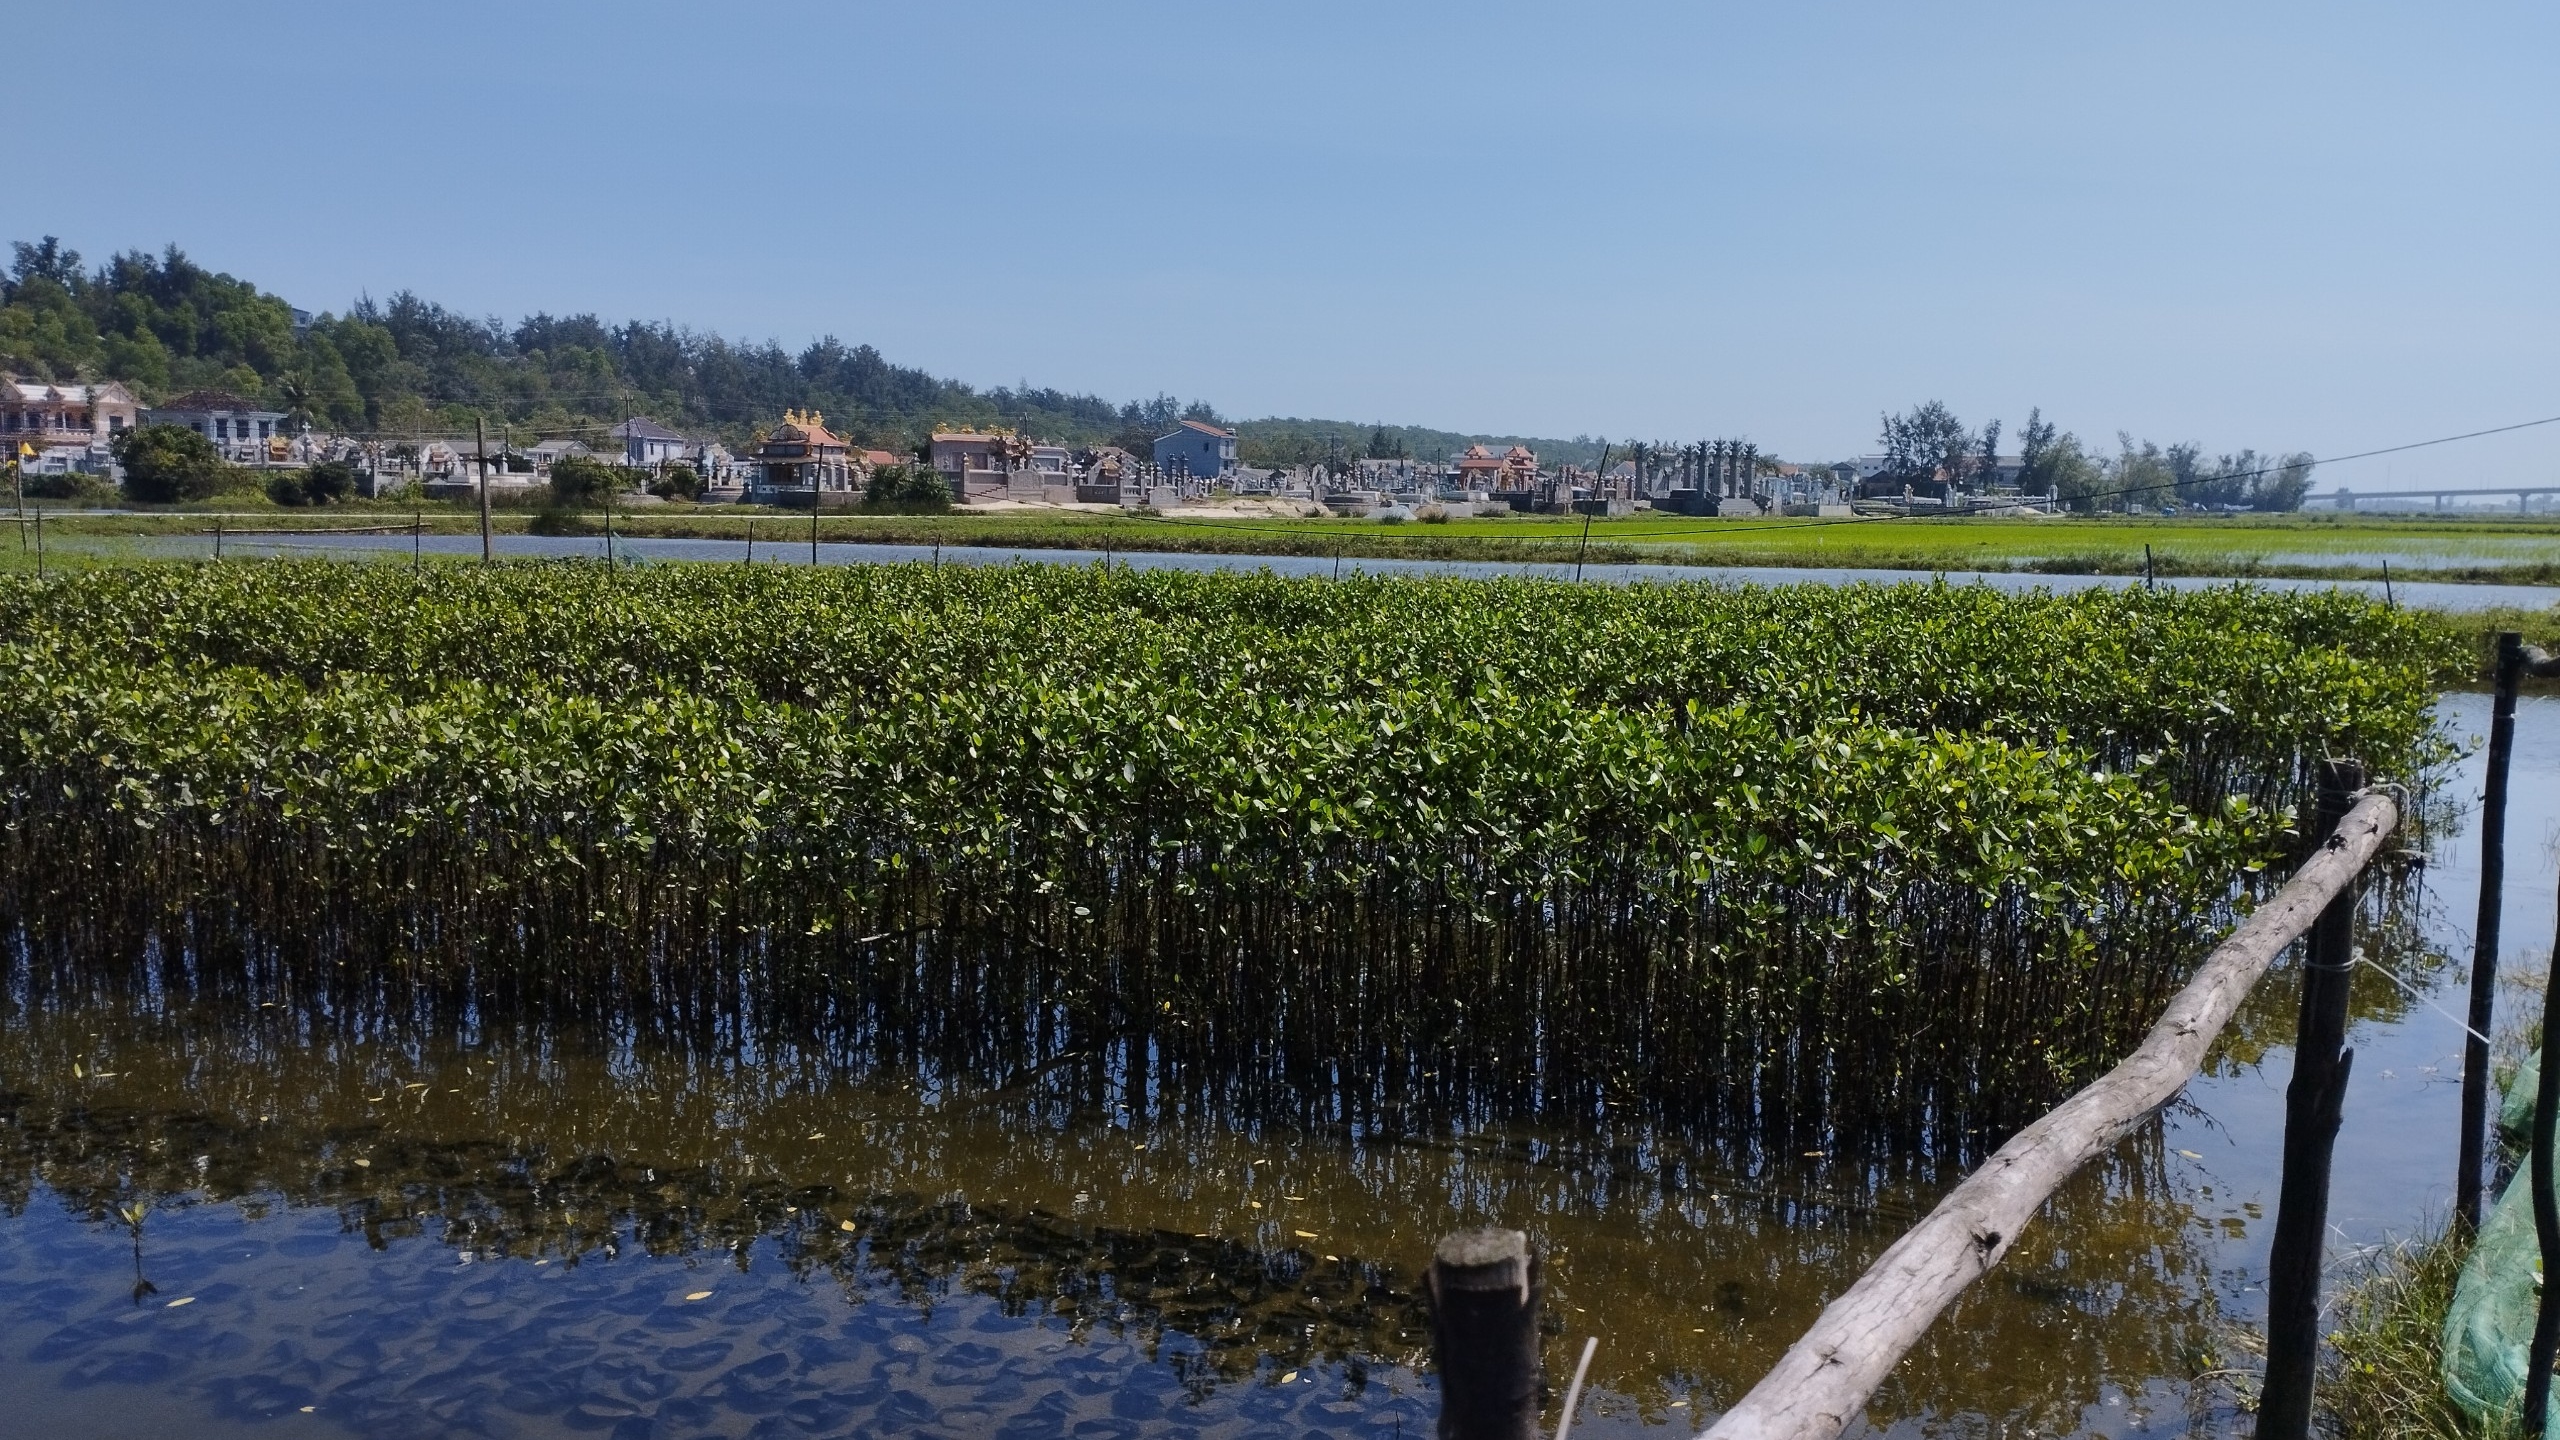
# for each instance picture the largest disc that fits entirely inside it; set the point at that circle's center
(480, 441)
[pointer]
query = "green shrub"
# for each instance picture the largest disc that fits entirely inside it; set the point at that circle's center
(676, 482)
(1748, 852)
(327, 483)
(166, 464)
(77, 486)
(578, 482)
(907, 490)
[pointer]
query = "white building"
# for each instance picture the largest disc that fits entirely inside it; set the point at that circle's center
(69, 427)
(239, 430)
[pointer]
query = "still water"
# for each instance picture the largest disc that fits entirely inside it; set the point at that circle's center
(236, 1206)
(2433, 595)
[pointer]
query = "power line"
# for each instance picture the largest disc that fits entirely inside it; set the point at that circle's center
(2337, 459)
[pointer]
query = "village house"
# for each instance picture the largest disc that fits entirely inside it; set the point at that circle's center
(552, 452)
(1198, 450)
(239, 430)
(977, 464)
(646, 444)
(803, 460)
(1479, 469)
(69, 427)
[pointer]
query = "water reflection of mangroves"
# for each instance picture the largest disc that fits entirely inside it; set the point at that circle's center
(1122, 1210)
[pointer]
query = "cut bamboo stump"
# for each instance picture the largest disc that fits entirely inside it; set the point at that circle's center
(1822, 1383)
(1484, 1335)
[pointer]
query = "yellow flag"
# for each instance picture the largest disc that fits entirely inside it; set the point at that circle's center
(26, 451)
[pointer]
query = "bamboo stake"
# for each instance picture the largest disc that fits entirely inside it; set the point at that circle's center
(2321, 1064)
(2484, 932)
(1822, 1383)
(480, 444)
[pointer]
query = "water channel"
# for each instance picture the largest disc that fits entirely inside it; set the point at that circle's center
(236, 1207)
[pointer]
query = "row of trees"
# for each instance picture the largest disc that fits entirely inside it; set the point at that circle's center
(164, 324)
(1929, 445)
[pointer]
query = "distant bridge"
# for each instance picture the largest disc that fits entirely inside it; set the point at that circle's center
(2347, 499)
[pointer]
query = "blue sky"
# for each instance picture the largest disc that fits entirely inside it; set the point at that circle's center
(2284, 225)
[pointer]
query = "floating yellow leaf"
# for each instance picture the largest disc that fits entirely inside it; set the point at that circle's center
(181, 1300)
(699, 1295)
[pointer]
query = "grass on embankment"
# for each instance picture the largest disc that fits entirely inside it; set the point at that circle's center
(2387, 1350)
(2480, 628)
(2313, 546)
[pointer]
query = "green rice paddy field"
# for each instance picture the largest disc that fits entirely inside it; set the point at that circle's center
(2509, 549)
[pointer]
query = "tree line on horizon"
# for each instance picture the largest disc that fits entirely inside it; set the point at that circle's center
(406, 366)
(1927, 443)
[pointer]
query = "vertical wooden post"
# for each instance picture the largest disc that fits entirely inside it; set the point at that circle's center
(2311, 1111)
(480, 442)
(1483, 1288)
(2546, 1229)
(2484, 933)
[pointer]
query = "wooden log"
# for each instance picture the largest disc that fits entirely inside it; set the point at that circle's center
(1484, 1335)
(2312, 1102)
(1823, 1382)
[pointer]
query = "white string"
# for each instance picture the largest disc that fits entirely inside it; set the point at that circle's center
(2367, 961)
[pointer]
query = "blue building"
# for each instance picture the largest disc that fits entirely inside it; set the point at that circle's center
(1203, 452)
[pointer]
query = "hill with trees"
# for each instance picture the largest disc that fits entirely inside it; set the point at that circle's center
(408, 366)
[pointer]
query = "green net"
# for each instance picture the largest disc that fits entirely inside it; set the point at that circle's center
(2491, 1323)
(2515, 1113)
